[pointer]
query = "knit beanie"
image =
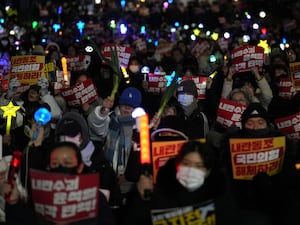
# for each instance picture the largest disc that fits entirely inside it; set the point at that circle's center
(254, 110)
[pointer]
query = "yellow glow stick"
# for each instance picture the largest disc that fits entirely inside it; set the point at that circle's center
(65, 68)
(10, 110)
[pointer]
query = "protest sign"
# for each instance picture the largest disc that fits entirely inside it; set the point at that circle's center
(250, 156)
(62, 198)
(245, 57)
(27, 68)
(229, 113)
(156, 83)
(200, 82)
(286, 89)
(289, 125)
(201, 214)
(78, 62)
(124, 53)
(80, 94)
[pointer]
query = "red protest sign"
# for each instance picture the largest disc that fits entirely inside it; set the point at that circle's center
(156, 83)
(289, 125)
(62, 198)
(200, 48)
(78, 62)
(229, 113)
(286, 89)
(79, 94)
(245, 57)
(250, 156)
(124, 53)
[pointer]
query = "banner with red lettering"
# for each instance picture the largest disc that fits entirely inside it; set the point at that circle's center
(78, 62)
(164, 150)
(200, 82)
(289, 125)
(201, 47)
(156, 83)
(79, 94)
(286, 89)
(27, 68)
(124, 53)
(230, 113)
(245, 57)
(250, 156)
(163, 49)
(295, 74)
(62, 81)
(62, 198)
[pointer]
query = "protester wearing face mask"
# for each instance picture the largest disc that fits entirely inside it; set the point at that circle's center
(135, 78)
(266, 194)
(195, 119)
(284, 93)
(65, 158)
(72, 127)
(188, 179)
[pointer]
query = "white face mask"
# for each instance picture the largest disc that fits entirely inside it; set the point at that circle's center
(185, 99)
(76, 139)
(191, 178)
(134, 68)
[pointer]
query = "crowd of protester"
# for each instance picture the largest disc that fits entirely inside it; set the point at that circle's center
(102, 136)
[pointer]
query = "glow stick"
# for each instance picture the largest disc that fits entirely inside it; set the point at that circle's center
(65, 68)
(144, 139)
(10, 110)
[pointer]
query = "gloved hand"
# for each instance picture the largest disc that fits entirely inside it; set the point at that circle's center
(44, 84)
(12, 87)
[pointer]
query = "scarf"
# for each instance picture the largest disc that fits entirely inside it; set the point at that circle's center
(119, 139)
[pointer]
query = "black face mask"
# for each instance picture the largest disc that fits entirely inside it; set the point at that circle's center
(64, 170)
(259, 133)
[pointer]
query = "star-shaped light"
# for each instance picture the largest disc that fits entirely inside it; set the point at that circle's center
(264, 44)
(169, 78)
(9, 111)
(80, 26)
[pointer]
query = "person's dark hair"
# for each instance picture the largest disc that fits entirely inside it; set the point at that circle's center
(24, 95)
(65, 144)
(199, 147)
(76, 74)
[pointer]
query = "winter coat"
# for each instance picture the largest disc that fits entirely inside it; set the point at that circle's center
(169, 193)
(264, 194)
